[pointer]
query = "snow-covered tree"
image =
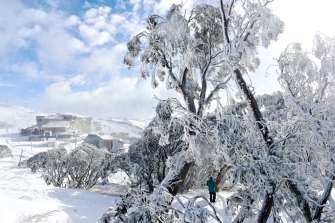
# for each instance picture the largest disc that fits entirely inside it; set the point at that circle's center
(196, 54)
(308, 83)
(151, 152)
(80, 168)
(292, 172)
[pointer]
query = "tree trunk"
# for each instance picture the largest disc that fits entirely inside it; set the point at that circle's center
(324, 198)
(265, 211)
(254, 107)
(220, 179)
(175, 181)
(302, 203)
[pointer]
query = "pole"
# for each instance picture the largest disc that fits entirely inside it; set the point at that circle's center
(20, 158)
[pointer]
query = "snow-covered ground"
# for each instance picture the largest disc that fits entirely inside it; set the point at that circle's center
(25, 197)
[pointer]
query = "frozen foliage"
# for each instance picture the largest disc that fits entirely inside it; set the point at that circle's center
(140, 207)
(182, 51)
(4, 151)
(160, 140)
(309, 141)
(197, 53)
(276, 150)
(288, 172)
(80, 168)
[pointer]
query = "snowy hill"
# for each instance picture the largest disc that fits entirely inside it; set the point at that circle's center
(127, 130)
(16, 117)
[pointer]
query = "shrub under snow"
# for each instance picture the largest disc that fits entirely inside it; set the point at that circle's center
(80, 168)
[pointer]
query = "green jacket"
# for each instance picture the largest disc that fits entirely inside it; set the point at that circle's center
(211, 185)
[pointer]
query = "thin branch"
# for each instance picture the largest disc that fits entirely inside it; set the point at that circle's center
(225, 21)
(215, 90)
(202, 101)
(183, 79)
(166, 63)
(230, 9)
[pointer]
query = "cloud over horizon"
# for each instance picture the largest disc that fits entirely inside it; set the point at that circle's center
(67, 57)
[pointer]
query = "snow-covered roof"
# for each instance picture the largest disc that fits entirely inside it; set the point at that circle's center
(109, 137)
(53, 117)
(92, 136)
(65, 133)
(56, 124)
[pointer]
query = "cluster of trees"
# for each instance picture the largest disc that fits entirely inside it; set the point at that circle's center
(4, 151)
(80, 168)
(276, 150)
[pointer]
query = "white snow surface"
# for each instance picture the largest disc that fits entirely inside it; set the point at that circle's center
(26, 198)
(131, 128)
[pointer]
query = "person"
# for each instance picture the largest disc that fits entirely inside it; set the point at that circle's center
(211, 188)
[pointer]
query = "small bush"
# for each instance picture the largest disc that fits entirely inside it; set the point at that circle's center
(80, 168)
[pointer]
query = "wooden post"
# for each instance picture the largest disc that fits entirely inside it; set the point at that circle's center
(20, 158)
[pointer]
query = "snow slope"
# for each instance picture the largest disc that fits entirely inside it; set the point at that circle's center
(16, 117)
(127, 130)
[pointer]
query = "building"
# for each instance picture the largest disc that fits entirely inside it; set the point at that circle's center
(56, 127)
(106, 141)
(117, 145)
(95, 140)
(83, 124)
(96, 126)
(60, 126)
(39, 120)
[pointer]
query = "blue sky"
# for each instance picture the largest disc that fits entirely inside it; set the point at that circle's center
(66, 55)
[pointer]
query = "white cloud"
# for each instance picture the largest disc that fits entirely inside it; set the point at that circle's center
(32, 72)
(104, 61)
(136, 5)
(9, 11)
(45, 34)
(303, 19)
(72, 21)
(93, 36)
(6, 84)
(119, 98)
(77, 80)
